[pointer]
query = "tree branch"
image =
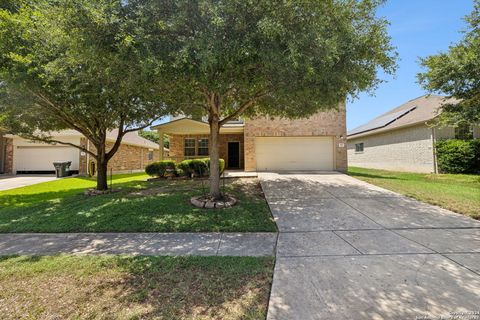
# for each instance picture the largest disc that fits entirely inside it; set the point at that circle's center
(243, 107)
(54, 141)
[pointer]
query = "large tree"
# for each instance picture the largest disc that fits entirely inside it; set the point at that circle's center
(281, 58)
(75, 64)
(456, 73)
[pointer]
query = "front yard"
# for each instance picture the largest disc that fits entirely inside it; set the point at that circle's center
(109, 287)
(456, 192)
(139, 206)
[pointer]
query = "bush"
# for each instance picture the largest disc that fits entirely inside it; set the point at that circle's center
(160, 168)
(458, 156)
(198, 167)
(221, 163)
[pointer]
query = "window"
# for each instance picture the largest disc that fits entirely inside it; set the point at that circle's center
(150, 155)
(203, 147)
(359, 147)
(189, 149)
(464, 132)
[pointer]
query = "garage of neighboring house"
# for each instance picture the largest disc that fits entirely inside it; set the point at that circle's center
(40, 159)
(294, 153)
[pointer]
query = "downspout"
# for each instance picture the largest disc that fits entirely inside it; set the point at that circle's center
(434, 150)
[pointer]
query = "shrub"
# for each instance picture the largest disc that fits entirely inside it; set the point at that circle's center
(457, 156)
(160, 168)
(196, 166)
(199, 167)
(221, 163)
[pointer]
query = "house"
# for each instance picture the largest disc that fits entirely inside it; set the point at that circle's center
(18, 155)
(265, 143)
(403, 138)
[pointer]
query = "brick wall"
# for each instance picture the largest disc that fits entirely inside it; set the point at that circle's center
(177, 146)
(128, 158)
(407, 149)
(321, 124)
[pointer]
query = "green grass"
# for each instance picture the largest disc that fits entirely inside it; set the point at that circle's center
(139, 206)
(113, 287)
(456, 192)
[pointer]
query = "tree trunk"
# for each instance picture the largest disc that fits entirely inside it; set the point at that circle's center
(102, 163)
(214, 157)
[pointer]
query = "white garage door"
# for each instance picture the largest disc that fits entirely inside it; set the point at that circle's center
(294, 153)
(41, 158)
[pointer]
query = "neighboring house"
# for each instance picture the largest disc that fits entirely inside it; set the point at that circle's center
(403, 138)
(19, 155)
(262, 144)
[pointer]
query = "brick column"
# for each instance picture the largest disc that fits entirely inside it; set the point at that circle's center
(8, 155)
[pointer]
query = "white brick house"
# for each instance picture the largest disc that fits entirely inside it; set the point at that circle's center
(401, 139)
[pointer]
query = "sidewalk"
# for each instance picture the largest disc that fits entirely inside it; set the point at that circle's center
(179, 244)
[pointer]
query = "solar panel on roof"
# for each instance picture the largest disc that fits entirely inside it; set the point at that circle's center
(380, 122)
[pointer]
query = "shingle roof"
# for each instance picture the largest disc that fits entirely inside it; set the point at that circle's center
(418, 110)
(130, 138)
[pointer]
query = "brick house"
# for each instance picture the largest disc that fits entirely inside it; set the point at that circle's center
(18, 155)
(266, 143)
(403, 138)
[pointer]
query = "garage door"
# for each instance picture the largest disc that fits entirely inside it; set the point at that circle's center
(294, 153)
(33, 158)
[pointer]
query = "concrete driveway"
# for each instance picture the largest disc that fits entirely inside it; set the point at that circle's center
(12, 182)
(350, 250)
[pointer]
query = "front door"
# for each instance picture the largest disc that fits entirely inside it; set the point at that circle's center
(233, 155)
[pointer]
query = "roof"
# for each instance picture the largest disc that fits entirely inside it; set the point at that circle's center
(131, 138)
(415, 111)
(190, 126)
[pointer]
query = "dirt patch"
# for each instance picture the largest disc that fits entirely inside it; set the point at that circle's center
(248, 186)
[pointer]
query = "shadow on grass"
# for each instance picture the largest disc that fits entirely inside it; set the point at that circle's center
(166, 210)
(143, 287)
(372, 176)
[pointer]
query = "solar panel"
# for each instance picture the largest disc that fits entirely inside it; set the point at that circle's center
(380, 122)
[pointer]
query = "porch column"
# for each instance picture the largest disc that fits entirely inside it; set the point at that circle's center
(161, 136)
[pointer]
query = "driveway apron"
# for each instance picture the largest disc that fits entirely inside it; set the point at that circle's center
(350, 250)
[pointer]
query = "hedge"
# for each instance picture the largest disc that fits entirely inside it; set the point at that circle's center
(458, 156)
(160, 168)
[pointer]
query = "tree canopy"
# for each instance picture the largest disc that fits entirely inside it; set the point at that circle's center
(75, 64)
(281, 58)
(457, 74)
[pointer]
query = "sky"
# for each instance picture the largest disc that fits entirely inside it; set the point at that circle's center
(418, 28)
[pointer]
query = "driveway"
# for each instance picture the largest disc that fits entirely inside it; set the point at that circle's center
(350, 250)
(12, 182)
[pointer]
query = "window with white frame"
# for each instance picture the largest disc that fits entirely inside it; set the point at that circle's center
(189, 147)
(359, 147)
(150, 155)
(202, 147)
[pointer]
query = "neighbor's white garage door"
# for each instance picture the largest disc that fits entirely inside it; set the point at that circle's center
(294, 153)
(41, 158)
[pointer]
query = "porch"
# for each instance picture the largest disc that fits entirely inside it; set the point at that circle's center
(189, 139)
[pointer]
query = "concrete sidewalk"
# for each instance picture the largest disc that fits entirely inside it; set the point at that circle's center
(179, 244)
(12, 182)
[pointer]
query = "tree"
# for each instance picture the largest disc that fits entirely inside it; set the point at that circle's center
(281, 58)
(457, 74)
(153, 136)
(75, 64)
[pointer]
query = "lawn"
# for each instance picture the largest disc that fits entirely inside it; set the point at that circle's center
(113, 287)
(139, 206)
(456, 192)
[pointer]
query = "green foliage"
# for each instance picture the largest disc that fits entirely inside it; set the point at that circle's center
(458, 156)
(149, 135)
(288, 58)
(457, 74)
(160, 168)
(221, 163)
(199, 167)
(75, 64)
